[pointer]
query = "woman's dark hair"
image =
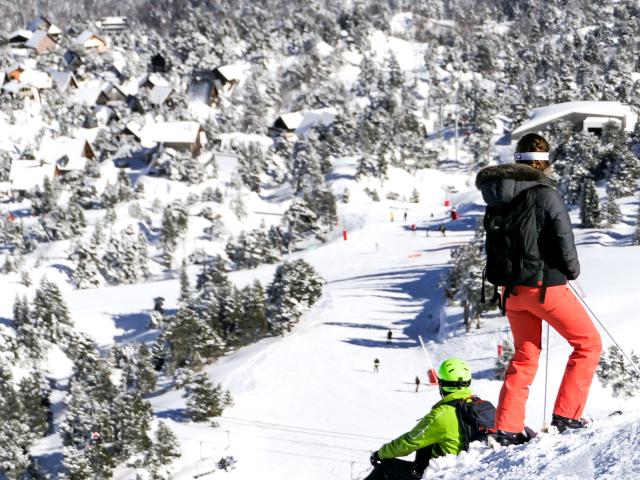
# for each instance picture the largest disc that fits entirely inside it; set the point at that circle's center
(532, 142)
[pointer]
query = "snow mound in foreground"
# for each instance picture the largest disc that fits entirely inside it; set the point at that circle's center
(606, 450)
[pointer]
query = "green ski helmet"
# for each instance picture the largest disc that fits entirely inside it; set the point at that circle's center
(453, 374)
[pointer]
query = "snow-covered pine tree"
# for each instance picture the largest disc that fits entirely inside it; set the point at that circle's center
(590, 214)
(299, 221)
(502, 361)
(254, 323)
(636, 232)
(49, 312)
(206, 400)
(86, 273)
(131, 416)
(165, 449)
(295, 288)
(33, 395)
(613, 371)
(175, 220)
(185, 286)
(238, 206)
(46, 200)
(465, 278)
(253, 248)
(15, 435)
(613, 213)
(251, 164)
(126, 257)
(191, 339)
(124, 192)
(574, 159)
(28, 334)
(415, 196)
(368, 165)
(304, 169)
(323, 203)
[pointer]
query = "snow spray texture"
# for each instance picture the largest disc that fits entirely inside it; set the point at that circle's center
(476, 418)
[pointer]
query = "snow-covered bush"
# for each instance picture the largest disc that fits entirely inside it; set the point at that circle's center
(615, 372)
(206, 400)
(295, 288)
(502, 361)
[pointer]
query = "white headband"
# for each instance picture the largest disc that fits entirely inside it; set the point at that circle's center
(519, 156)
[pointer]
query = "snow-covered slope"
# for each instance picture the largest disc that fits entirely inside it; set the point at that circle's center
(310, 406)
(607, 450)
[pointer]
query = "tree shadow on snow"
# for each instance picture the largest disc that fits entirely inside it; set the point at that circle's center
(63, 269)
(352, 325)
(136, 326)
(176, 414)
(414, 291)
(51, 463)
(365, 342)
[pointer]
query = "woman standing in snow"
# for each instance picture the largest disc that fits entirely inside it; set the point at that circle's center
(538, 295)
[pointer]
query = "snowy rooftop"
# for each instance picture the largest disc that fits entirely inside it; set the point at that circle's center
(20, 33)
(61, 79)
(44, 24)
(26, 174)
(89, 92)
(85, 37)
(13, 67)
(234, 71)
(159, 94)
(36, 78)
(112, 21)
(303, 120)
(14, 86)
(169, 132)
(36, 38)
(68, 153)
(541, 117)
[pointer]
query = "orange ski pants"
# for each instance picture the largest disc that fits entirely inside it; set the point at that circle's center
(564, 312)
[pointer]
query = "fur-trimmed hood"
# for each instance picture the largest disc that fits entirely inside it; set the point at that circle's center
(501, 183)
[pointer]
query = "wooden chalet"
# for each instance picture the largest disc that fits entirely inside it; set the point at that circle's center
(41, 42)
(90, 42)
(181, 136)
(43, 24)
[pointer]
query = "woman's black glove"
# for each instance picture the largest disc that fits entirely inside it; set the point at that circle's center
(375, 459)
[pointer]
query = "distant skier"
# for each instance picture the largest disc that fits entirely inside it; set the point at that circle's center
(547, 255)
(376, 364)
(391, 217)
(443, 230)
(417, 383)
(389, 336)
(438, 433)
(414, 228)
(426, 230)
(405, 215)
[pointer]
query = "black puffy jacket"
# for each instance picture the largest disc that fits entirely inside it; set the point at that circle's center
(502, 183)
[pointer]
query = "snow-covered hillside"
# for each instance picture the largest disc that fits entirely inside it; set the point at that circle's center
(178, 188)
(309, 405)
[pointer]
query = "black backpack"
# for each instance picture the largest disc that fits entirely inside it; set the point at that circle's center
(475, 417)
(513, 256)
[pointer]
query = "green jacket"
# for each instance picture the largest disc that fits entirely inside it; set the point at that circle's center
(439, 427)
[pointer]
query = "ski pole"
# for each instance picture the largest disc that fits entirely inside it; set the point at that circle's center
(633, 364)
(546, 384)
(426, 354)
